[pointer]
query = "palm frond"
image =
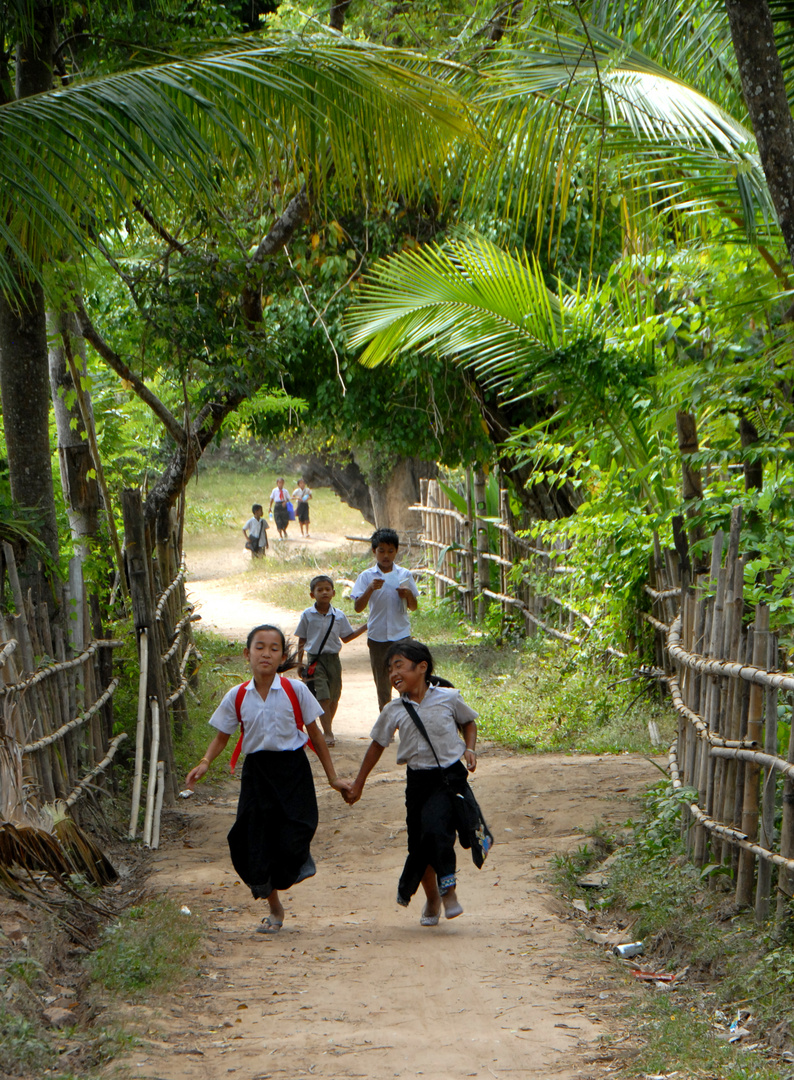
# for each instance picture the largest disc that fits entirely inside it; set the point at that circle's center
(73, 159)
(570, 101)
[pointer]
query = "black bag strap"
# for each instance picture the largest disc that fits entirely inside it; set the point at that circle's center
(327, 632)
(422, 729)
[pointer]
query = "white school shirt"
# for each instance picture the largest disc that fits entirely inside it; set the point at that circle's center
(279, 495)
(255, 528)
(269, 723)
(388, 614)
(313, 625)
(302, 495)
(440, 710)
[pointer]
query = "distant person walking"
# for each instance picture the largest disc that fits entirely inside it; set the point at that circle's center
(300, 497)
(278, 506)
(255, 532)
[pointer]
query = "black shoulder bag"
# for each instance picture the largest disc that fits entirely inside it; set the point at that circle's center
(473, 831)
(310, 670)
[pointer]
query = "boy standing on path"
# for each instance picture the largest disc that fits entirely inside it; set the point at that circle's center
(391, 593)
(321, 630)
(254, 532)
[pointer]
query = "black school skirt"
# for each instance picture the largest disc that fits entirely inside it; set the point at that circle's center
(276, 820)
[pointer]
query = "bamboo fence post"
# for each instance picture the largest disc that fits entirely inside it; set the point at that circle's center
(439, 587)
(425, 525)
(768, 797)
(744, 879)
(158, 805)
(483, 546)
(143, 611)
(140, 732)
(151, 787)
(785, 883)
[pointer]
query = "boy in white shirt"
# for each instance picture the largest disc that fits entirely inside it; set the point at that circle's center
(321, 631)
(391, 593)
(254, 532)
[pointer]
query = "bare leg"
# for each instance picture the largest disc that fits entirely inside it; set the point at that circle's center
(276, 907)
(452, 906)
(273, 922)
(327, 719)
(430, 885)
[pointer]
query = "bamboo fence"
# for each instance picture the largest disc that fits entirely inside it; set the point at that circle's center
(56, 703)
(56, 695)
(719, 665)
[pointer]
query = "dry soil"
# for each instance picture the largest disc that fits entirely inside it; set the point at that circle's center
(353, 986)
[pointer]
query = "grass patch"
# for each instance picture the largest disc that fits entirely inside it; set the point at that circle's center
(219, 501)
(149, 949)
(538, 695)
(687, 918)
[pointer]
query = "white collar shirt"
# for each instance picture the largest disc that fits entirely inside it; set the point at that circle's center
(255, 527)
(279, 495)
(388, 614)
(269, 722)
(441, 710)
(313, 625)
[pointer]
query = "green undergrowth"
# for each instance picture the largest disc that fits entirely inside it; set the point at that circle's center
(538, 695)
(149, 949)
(688, 922)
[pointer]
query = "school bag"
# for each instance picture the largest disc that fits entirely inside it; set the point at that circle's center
(286, 686)
(471, 826)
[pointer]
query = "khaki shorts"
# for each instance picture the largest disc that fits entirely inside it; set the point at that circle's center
(326, 683)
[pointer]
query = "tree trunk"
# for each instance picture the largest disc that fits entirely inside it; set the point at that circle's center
(347, 480)
(764, 88)
(80, 488)
(392, 497)
(24, 377)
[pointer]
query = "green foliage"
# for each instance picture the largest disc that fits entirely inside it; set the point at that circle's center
(25, 1047)
(148, 949)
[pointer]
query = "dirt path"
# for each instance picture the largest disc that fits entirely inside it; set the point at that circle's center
(353, 986)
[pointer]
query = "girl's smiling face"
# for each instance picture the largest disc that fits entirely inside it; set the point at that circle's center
(407, 677)
(265, 654)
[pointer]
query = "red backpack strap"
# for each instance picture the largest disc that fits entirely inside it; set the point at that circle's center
(289, 690)
(238, 707)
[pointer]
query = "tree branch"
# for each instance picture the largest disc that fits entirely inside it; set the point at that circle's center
(114, 361)
(161, 230)
(281, 233)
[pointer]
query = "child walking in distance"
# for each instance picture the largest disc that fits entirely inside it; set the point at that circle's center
(391, 593)
(255, 533)
(433, 780)
(277, 811)
(321, 630)
(301, 496)
(278, 506)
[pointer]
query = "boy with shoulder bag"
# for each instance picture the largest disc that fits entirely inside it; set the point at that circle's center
(321, 631)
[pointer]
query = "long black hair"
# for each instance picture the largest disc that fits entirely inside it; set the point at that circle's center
(290, 660)
(416, 652)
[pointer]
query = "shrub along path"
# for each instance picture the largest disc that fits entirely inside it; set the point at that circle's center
(353, 986)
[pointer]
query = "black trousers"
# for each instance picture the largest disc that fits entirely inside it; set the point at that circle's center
(276, 820)
(431, 821)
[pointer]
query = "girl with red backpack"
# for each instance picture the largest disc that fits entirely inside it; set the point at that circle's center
(277, 810)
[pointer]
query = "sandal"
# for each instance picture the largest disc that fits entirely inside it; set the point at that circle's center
(270, 926)
(427, 919)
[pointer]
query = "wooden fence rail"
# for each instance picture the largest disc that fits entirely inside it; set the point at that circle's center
(719, 665)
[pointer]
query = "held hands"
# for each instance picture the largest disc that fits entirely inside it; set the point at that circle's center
(470, 757)
(376, 583)
(353, 793)
(342, 786)
(404, 592)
